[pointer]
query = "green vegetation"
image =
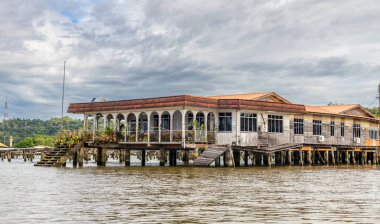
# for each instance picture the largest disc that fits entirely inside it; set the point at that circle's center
(28, 133)
(35, 141)
(374, 111)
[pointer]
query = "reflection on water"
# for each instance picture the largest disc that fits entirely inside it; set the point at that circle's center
(188, 195)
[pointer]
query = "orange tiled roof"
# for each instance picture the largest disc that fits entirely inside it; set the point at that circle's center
(246, 96)
(249, 96)
(334, 109)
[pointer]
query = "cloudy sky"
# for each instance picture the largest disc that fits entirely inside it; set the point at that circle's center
(310, 52)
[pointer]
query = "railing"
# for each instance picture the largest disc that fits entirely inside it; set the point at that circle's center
(191, 136)
(177, 136)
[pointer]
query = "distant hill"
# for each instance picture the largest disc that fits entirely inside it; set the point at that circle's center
(23, 128)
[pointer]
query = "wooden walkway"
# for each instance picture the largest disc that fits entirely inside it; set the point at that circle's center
(209, 155)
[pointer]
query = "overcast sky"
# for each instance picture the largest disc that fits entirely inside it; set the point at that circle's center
(310, 52)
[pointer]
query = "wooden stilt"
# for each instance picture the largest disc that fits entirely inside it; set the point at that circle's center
(143, 155)
(309, 162)
(75, 158)
(81, 157)
(186, 158)
(217, 162)
(102, 157)
(163, 157)
(236, 155)
(245, 158)
(253, 159)
(127, 157)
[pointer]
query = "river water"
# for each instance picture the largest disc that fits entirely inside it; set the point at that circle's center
(115, 194)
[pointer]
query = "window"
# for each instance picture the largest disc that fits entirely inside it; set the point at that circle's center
(225, 121)
(374, 134)
(165, 121)
(332, 128)
(248, 122)
(342, 129)
(317, 127)
(298, 126)
(190, 118)
(356, 130)
(275, 123)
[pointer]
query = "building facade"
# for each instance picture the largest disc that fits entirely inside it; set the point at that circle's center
(257, 120)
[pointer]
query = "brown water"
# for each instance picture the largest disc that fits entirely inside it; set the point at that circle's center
(188, 195)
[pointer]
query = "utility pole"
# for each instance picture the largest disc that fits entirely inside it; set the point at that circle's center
(5, 118)
(378, 112)
(63, 91)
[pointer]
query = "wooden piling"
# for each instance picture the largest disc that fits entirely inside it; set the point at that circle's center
(186, 158)
(75, 158)
(9, 156)
(80, 157)
(217, 161)
(245, 158)
(162, 157)
(236, 155)
(253, 159)
(172, 158)
(127, 157)
(102, 157)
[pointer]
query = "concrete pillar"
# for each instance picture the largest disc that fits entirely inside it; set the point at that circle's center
(143, 157)
(301, 157)
(309, 162)
(81, 157)
(326, 157)
(102, 157)
(332, 157)
(171, 127)
(289, 157)
(162, 157)
(183, 125)
(227, 159)
(269, 158)
(353, 159)
(127, 157)
(253, 159)
(159, 127)
(338, 157)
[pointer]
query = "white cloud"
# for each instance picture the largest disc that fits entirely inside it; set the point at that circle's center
(326, 50)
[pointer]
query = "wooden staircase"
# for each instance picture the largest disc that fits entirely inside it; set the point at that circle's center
(56, 157)
(209, 155)
(263, 140)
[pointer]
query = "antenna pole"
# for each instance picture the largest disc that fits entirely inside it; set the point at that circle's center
(63, 91)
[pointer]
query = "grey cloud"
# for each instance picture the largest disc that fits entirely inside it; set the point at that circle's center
(310, 52)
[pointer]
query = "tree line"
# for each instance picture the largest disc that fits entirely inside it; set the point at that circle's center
(33, 132)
